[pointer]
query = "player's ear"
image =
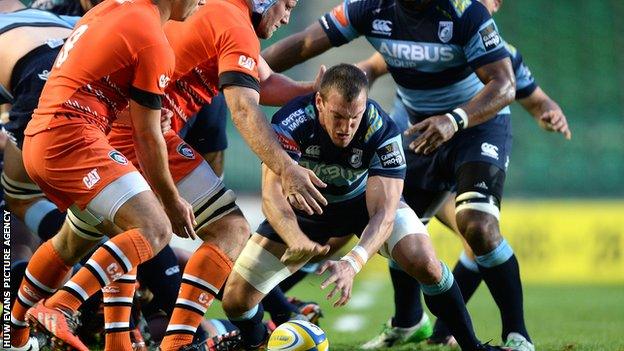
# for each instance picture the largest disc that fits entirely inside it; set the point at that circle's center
(318, 100)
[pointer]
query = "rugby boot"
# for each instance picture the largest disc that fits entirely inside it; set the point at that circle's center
(517, 342)
(446, 340)
(226, 342)
(58, 325)
(392, 336)
(36, 342)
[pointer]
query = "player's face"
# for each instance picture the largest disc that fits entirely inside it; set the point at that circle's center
(492, 5)
(340, 118)
(182, 9)
(276, 16)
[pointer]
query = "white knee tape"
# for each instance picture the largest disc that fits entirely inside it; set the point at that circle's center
(83, 223)
(473, 200)
(20, 190)
(406, 222)
(260, 268)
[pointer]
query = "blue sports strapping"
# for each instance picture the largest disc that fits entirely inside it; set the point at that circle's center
(498, 256)
(35, 214)
(246, 315)
(469, 263)
(443, 285)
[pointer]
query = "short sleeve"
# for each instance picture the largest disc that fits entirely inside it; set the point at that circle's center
(525, 83)
(154, 68)
(341, 22)
(287, 141)
(238, 51)
(484, 44)
(389, 159)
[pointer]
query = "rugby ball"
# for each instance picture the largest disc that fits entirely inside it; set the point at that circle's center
(298, 336)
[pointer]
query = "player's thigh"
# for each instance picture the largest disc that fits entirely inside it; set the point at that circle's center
(229, 233)
(71, 247)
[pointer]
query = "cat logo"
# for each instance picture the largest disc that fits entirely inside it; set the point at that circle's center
(445, 31)
(163, 81)
(246, 62)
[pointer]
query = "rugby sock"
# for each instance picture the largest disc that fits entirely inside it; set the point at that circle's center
(445, 302)
(277, 305)
(44, 219)
(108, 263)
(468, 278)
(45, 273)
(253, 331)
(204, 275)
(118, 297)
(408, 307)
(501, 273)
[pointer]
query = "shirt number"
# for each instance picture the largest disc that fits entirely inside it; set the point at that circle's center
(69, 44)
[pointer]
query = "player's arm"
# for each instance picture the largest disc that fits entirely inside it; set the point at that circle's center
(277, 89)
(546, 112)
(151, 152)
(498, 92)
(382, 198)
(374, 67)
(297, 48)
(282, 218)
(298, 183)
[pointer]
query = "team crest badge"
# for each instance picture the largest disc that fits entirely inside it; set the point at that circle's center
(118, 157)
(356, 159)
(186, 151)
(445, 31)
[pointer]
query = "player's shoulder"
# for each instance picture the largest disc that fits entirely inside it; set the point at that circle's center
(137, 21)
(379, 125)
(222, 14)
(465, 10)
(297, 115)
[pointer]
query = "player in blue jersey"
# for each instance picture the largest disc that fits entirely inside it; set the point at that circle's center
(350, 143)
(454, 80)
(547, 114)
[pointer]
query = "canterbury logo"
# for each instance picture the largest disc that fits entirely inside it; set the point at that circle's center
(382, 26)
(163, 81)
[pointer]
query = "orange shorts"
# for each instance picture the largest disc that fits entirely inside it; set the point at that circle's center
(182, 158)
(73, 163)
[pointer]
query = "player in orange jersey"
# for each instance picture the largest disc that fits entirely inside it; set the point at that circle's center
(117, 57)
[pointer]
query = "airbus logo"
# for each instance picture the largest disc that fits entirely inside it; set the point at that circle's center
(383, 27)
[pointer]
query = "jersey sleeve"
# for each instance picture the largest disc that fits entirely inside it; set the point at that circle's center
(153, 71)
(238, 50)
(343, 23)
(388, 159)
(483, 43)
(287, 141)
(525, 83)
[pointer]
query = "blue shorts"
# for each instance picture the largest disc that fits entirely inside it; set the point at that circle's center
(27, 80)
(205, 131)
(488, 144)
(338, 219)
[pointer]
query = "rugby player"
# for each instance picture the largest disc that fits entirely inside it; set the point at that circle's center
(355, 147)
(66, 153)
(549, 117)
(454, 80)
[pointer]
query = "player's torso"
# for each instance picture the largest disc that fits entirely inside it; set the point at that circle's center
(197, 43)
(25, 30)
(91, 77)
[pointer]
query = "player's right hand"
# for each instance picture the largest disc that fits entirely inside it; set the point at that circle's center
(299, 186)
(165, 120)
(302, 251)
(182, 219)
(555, 121)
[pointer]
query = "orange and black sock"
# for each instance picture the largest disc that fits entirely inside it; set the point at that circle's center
(118, 297)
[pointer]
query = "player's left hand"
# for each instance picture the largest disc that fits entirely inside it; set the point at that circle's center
(434, 131)
(342, 274)
(555, 121)
(319, 76)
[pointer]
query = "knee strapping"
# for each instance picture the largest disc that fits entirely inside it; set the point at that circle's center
(260, 268)
(474, 200)
(445, 283)
(83, 223)
(20, 190)
(499, 255)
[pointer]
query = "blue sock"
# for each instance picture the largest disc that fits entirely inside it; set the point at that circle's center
(501, 273)
(468, 278)
(277, 305)
(445, 302)
(44, 219)
(161, 274)
(253, 331)
(408, 309)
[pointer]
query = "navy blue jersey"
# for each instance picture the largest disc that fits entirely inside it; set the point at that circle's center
(431, 54)
(525, 83)
(374, 151)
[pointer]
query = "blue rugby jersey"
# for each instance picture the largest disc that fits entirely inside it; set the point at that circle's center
(431, 54)
(525, 83)
(376, 149)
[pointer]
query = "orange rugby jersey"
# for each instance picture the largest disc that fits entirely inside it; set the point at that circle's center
(117, 51)
(217, 46)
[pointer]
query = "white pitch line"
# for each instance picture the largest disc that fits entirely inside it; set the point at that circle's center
(349, 323)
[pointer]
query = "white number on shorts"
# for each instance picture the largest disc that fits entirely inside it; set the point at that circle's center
(69, 44)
